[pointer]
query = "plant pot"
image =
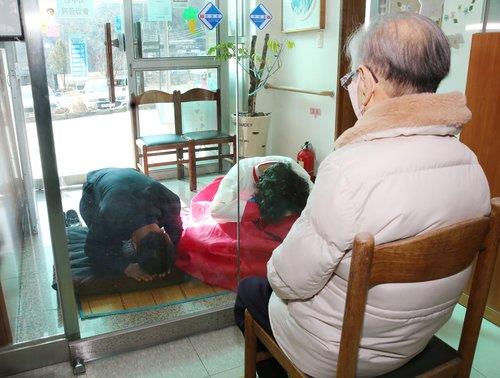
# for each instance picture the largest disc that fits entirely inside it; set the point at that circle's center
(252, 135)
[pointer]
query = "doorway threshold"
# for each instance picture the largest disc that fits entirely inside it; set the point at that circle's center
(109, 344)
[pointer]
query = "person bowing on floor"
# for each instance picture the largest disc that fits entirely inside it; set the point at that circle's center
(134, 223)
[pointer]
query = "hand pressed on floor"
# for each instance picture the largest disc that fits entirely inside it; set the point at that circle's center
(134, 271)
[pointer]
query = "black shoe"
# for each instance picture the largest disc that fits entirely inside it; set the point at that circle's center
(72, 220)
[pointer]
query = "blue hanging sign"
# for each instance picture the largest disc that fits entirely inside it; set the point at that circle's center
(78, 56)
(210, 16)
(260, 16)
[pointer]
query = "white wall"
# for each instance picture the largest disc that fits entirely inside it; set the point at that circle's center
(308, 67)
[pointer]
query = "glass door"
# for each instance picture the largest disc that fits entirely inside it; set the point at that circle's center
(84, 120)
(133, 47)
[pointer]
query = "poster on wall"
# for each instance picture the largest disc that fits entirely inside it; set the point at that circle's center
(302, 15)
(10, 21)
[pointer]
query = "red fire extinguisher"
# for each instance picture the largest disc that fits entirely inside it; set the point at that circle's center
(305, 158)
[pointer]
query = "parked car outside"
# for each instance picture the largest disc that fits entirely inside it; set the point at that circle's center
(96, 95)
(55, 104)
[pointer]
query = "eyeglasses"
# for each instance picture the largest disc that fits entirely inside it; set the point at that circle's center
(347, 79)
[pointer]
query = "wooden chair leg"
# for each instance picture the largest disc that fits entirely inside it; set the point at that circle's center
(220, 159)
(250, 347)
(180, 166)
(192, 167)
(136, 157)
(145, 160)
(235, 151)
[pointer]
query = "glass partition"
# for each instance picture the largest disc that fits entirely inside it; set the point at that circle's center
(458, 20)
(284, 103)
(125, 172)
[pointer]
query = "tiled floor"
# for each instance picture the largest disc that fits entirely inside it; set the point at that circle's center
(36, 280)
(486, 360)
(214, 354)
(220, 354)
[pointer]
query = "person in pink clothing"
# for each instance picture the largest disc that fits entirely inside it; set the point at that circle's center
(398, 172)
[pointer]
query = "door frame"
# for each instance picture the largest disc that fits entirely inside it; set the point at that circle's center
(43, 117)
(352, 15)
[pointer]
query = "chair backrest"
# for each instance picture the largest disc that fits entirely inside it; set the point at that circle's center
(153, 97)
(430, 256)
(200, 94)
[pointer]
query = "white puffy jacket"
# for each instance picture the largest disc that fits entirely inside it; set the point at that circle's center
(400, 171)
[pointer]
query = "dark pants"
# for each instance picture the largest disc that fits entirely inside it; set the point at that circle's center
(254, 294)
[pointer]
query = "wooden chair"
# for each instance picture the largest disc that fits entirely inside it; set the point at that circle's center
(205, 139)
(149, 146)
(430, 256)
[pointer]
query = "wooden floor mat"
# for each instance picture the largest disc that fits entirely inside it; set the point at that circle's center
(92, 306)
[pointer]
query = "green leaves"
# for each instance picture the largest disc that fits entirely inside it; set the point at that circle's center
(277, 46)
(227, 50)
(259, 68)
(223, 51)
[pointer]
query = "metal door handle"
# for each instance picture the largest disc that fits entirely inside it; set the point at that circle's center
(110, 74)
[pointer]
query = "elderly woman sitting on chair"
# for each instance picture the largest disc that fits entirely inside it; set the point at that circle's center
(400, 171)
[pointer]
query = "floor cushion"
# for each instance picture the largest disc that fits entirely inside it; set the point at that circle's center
(90, 279)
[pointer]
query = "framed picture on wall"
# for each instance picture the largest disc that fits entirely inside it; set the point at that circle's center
(11, 28)
(302, 15)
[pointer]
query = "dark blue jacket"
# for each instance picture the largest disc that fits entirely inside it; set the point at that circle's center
(118, 201)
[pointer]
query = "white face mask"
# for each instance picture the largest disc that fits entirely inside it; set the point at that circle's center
(353, 95)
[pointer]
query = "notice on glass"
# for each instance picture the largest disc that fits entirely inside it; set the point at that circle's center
(159, 10)
(74, 8)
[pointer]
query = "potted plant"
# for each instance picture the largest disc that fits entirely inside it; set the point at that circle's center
(253, 126)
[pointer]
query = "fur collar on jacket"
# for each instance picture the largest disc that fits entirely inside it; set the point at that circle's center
(417, 114)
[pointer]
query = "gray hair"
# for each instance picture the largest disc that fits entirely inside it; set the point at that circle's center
(406, 49)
